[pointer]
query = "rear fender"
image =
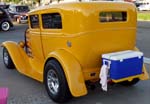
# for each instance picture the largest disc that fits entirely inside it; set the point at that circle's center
(72, 70)
(145, 75)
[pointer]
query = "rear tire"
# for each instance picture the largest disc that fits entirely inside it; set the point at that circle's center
(130, 83)
(7, 59)
(55, 82)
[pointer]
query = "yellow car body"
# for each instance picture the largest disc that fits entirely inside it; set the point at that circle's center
(87, 32)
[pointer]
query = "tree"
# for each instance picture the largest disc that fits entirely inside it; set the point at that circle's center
(15, 1)
(39, 1)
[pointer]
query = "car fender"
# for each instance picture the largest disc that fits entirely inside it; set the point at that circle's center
(18, 56)
(72, 70)
(145, 75)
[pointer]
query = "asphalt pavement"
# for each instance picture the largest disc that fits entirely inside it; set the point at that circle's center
(24, 90)
(143, 37)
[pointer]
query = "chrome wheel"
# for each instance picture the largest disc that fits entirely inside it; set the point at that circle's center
(5, 26)
(6, 57)
(52, 81)
(55, 82)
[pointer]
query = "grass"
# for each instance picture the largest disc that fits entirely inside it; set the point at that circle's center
(143, 16)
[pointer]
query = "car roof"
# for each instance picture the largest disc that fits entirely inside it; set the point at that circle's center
(83, 13)
(5, 6)
(15, 5)
(82, 5)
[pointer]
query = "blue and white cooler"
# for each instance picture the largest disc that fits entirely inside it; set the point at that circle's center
(123, 64)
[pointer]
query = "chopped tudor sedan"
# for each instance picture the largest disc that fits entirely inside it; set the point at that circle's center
(5, 21)
(65, 42)
(19, 13)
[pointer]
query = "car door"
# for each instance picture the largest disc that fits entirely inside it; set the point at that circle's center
(35, 38)
(52, 35)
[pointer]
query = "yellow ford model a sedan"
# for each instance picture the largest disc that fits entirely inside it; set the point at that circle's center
(64, 44)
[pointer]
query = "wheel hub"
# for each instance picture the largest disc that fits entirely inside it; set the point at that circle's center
(52, 82)
(5, 26)
(6, 58)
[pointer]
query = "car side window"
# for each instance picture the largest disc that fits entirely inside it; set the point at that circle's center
(52, 21)
(113, 16)
(34, 21)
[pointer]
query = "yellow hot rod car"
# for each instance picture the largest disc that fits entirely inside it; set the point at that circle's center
(64, 43)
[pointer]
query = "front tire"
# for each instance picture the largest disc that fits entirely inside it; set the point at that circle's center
(55, 82)
(7, 59)
(5, 26)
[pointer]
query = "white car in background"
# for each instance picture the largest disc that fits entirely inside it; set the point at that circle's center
(144, 7)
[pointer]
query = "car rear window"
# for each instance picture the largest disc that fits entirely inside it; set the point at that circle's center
(113, 16)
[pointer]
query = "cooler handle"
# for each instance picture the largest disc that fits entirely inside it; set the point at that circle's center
(106, 61)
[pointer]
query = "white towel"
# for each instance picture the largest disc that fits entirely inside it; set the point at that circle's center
(103, 77)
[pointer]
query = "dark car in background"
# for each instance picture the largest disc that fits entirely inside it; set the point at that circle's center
(19, 13)
(4, 6)
(5, 20)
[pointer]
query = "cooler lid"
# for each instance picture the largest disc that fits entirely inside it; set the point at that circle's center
(122, 55)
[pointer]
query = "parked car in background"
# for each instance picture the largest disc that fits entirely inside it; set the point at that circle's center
(5, 20)
(4, 6)
(19, 13)
(144, 7)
